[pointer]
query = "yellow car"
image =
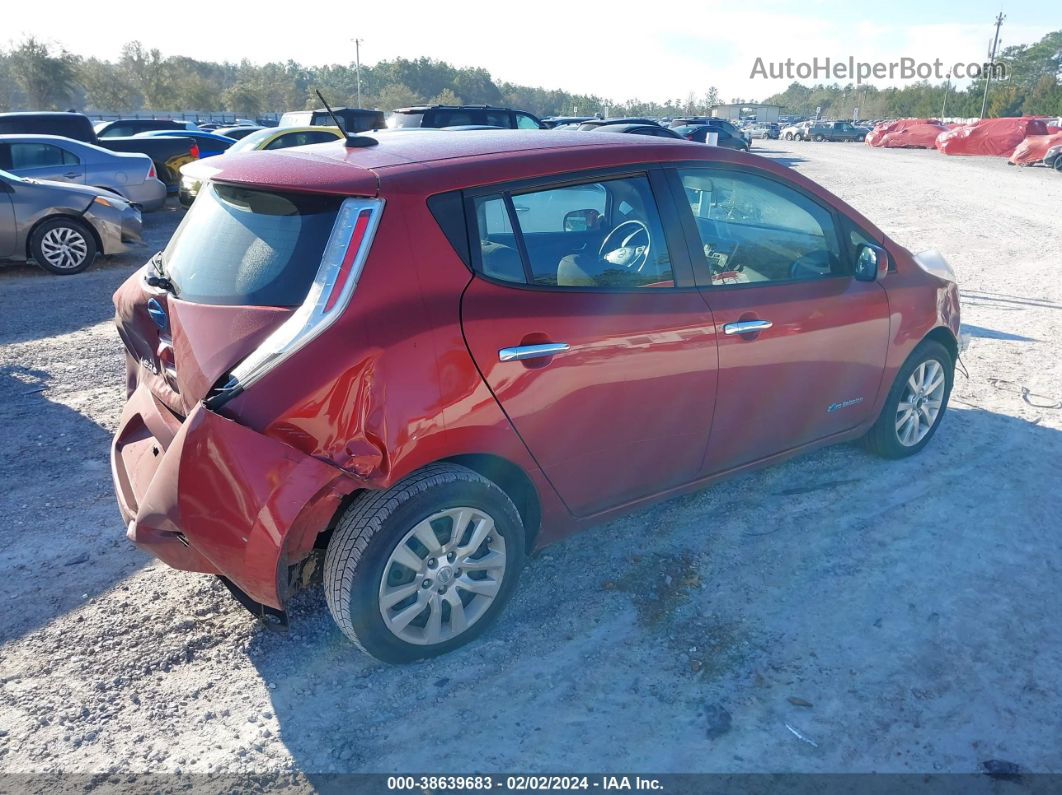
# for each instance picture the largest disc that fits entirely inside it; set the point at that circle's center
(198, 171)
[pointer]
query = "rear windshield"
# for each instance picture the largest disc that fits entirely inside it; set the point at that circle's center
(396, 120)
(239, 246)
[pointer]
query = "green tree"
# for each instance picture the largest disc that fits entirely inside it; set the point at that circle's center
(47, 79)
(150, 73)
(107, 87)
(446, 97)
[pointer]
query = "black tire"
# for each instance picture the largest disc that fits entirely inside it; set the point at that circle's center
(883, 438)
(374, 525)
(1058, 164)
(81, 244)
(819, 139)
(789, 136)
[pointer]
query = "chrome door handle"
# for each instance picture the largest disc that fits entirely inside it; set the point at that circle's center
(747, 327)
(521, 352)
(73, 175)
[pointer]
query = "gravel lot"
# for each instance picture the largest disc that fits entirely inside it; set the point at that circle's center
(902, 616)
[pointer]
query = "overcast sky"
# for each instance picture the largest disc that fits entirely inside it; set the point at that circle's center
(616, 49)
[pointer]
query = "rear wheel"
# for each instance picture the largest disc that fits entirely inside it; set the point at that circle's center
(916, 403)
(819, 139)
(63, 246)
(425, 566)
(789, 136)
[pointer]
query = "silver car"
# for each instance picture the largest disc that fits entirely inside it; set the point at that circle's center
(129, 174)
(63, 227)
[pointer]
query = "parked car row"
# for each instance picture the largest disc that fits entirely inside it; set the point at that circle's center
(824, 131)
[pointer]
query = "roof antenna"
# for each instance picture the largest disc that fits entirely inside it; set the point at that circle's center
(352, 141)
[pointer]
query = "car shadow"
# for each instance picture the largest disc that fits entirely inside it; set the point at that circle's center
(993, 334)
(836, 563)
(57, 495)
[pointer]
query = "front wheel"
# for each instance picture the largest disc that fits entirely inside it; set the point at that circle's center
(819, 139)
(916, 403)
(789, 136)
(63, 246)
(425, 566)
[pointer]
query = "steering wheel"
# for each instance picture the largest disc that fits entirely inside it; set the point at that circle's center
(627, 254)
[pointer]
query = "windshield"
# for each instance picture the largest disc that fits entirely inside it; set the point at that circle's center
(239, 246)
(251, 142)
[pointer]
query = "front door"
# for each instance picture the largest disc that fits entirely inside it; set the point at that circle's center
(593, 339)
(802, 344)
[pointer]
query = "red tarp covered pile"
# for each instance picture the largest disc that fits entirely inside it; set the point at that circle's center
(1033, 148)
(876, 135)
(917, 136)
(998, 137)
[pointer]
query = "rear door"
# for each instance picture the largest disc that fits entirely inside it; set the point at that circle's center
(586, 324)
(802, 343)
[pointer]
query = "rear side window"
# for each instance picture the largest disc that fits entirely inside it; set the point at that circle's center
(238, 246)
(525, 121)
(397, 120)
(300, 139)
(453, 118)
(39, 156)
(604, 234)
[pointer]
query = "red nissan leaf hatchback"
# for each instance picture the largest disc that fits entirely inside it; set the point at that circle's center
(405, 361)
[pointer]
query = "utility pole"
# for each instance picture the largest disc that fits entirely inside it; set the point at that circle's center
(991, 62)
(947, 87)
(357, 65)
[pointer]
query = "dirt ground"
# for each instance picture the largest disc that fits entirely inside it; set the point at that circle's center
(900, 616)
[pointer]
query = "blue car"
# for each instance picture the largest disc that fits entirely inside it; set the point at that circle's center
(209, 143)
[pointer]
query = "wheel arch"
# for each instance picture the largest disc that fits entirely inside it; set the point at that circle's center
(54, 217)
(511, 479)
(945, 337)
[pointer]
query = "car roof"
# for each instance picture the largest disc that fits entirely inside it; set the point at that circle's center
(437, 160)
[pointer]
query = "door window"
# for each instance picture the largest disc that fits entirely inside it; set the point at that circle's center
(498, 118)
(300, 139)
(40, 156)
(525, 122)
(453, 118)
(755, 230)
(604, 234)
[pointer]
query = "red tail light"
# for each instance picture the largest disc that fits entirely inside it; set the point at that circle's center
(151, 172)
(689, 137)
(194, 151)
(356, 239)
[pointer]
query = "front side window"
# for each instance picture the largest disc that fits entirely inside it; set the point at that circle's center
(604, 234)
(525, 122)
(755, 230)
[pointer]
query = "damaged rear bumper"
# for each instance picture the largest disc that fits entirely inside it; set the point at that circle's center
(207, 494)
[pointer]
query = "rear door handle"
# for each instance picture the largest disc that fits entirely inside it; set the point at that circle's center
(747, 327)
(522, 352)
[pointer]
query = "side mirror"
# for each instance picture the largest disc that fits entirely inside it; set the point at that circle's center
(872, 263)
(581, 220)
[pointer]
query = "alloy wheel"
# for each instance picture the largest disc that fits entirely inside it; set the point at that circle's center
(64, 247)
(442, 576)
(920, 403)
